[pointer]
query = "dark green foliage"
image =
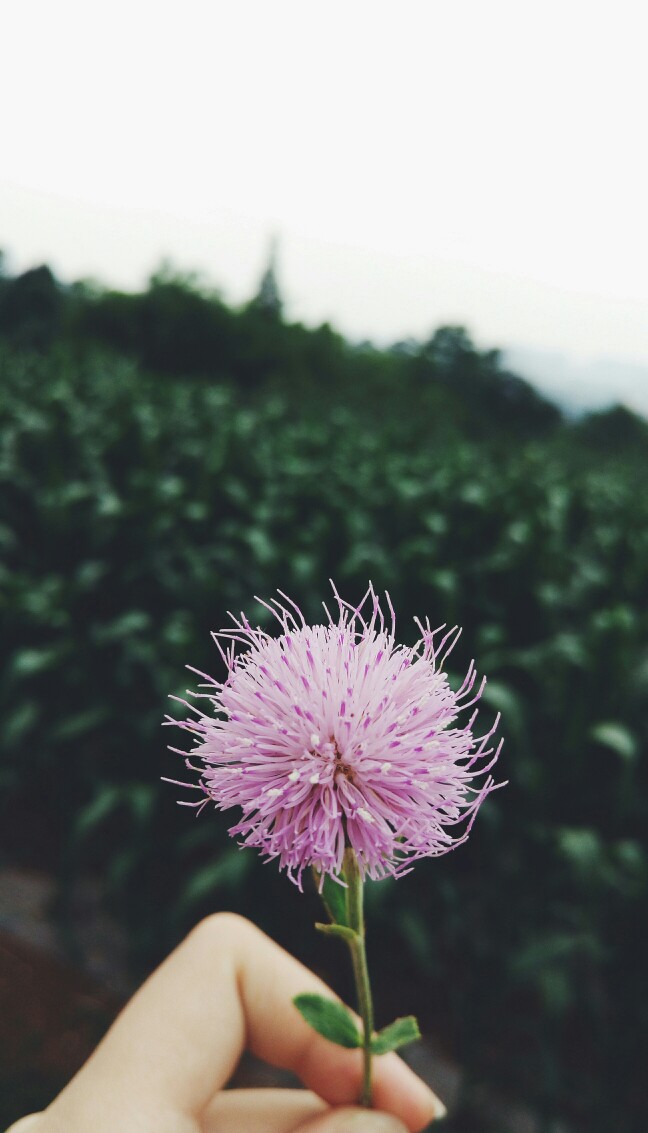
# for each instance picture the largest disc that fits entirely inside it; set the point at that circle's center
(147, 490)
(31, 308)
(614, 431)
(486, 393)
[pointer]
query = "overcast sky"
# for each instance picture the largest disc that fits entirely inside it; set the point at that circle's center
(420, 162)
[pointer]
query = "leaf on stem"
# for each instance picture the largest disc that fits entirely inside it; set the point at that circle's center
(339, 930)
(334, 897)
(395, 1035)
(332, 1020)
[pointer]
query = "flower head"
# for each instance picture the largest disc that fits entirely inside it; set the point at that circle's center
(332, 735)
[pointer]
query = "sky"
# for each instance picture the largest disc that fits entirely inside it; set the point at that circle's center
(419, 163)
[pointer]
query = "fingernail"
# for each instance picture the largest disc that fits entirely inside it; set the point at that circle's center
(427, 1099)
(440, 1110)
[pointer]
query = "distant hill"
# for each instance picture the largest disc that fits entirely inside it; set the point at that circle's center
(578, 387)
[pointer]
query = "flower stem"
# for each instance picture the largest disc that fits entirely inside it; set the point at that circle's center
(361, 972)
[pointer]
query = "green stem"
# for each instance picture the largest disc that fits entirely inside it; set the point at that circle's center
(360, 970)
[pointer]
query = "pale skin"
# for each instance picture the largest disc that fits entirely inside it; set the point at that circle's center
(227, 988)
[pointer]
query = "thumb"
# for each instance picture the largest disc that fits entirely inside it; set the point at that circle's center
(351, 1119)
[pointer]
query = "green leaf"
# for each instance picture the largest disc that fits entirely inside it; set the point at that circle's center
(332, 1020)
(502, 698)
(616, 737)
(141, 799)
(342, 931)
(72, 727)
(334, 898)
(395, 1035)
(586, 854)
(227, 871)
(18, 723)
(28, 662)
(106, 800)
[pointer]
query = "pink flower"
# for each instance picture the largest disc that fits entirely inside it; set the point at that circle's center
(333, 734)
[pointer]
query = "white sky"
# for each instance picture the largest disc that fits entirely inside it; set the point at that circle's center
(420, 161)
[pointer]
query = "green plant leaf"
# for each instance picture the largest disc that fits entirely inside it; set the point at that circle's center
(227, 871)
(332, 1020)
(29, 662)
(342, 931)
(72, 727)
(334, 898)
(395, 1035)
(107, 798)
(18, 723)
(616, 737)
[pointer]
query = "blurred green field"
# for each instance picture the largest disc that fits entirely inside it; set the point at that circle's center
(142, 496)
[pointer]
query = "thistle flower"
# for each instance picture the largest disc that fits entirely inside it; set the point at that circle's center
(332, 736)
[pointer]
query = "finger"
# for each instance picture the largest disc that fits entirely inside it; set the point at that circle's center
(178, 1040)
(290, 1111)
(261, 1111)
(353, 1120)
(29, 1124)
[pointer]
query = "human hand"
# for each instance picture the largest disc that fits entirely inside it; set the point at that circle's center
(162, 1065)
